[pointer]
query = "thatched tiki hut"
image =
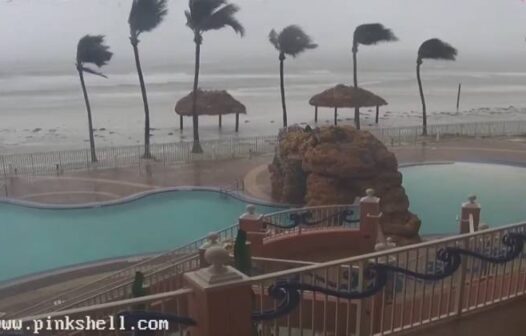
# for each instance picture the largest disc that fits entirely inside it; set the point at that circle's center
(342, 96)
(212, 103)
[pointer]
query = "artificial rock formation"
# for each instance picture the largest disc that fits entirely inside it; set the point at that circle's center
(335, 165)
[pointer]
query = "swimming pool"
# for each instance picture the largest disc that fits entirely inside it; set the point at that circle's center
(34, 240)
(436, 193)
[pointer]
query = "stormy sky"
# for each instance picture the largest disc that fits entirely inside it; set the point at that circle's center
(48, 30)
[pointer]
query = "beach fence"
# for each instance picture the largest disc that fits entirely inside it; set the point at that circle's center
(396, 136)
(59, 162)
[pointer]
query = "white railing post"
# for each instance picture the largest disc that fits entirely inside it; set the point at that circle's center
(461, 281)
(369, 219)
(4, 166)
(470, 208)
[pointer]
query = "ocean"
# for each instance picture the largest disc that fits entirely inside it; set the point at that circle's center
(43, 109)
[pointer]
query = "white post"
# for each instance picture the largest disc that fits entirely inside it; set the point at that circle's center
(470, 208)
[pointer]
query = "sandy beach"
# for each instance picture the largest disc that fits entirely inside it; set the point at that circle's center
(44, 110)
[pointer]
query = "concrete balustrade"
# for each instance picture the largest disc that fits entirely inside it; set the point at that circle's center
(221, 301)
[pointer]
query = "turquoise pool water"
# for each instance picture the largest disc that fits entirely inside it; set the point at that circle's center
(437, 191)
(34, 240)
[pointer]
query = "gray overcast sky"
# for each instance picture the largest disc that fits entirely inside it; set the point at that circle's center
(50, 29)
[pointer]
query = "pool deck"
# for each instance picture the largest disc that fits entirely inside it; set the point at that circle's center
(113, 184)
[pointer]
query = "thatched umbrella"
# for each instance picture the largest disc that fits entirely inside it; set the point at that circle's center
(210, 103)
(342, 96)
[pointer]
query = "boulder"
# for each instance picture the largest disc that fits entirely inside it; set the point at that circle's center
(335, 165)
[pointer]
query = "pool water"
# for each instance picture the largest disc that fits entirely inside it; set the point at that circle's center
(34, 240)
(436, 193)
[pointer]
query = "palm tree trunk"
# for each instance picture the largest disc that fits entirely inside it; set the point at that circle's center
(90, 122)
(147, 154)
(196, 148)
(282, 85)
(424, 113)
(355, 78)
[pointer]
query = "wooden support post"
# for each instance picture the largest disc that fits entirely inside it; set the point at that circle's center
(220, 121)
(335, 116)
(458, 95)
(181, 122)
(377, 113)
(237, 122)
(316, 114)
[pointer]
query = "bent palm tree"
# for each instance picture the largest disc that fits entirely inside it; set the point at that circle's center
(91, 49)
(145, 15)
(203, 16)
(437, 50)
(292, 41)
(367, 34)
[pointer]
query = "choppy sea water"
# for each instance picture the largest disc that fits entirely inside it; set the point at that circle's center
(44, 110)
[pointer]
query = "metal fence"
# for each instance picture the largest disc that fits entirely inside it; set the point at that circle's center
(56, 163)
(298, 220)
(427, 289)
(165, 305)
(412, 135)
(382, 293)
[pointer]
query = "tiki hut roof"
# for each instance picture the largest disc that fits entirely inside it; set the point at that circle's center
(346, 96)
(210, 103)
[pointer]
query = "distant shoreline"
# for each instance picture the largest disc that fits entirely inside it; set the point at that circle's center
(36, 140)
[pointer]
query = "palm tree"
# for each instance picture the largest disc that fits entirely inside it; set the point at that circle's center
(203, 16)
(91, 49)
(145, 15)
(290, 41)
(437, 50)
(367, 34)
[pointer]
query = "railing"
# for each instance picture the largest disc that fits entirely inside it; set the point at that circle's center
(169, 309)
(56, 163)
(471, 224)
(297, 220)
(115, 285)
(395, 290)
(380, 293)
(412, 135)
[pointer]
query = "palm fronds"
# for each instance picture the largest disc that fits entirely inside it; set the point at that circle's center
(373, 33)
(205, 15)
(292, 40)
(146, 15)
(437, 49)
(91, 49)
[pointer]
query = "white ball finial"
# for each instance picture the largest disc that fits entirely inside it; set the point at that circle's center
(251, 209)
(212, 238)
(217, 257)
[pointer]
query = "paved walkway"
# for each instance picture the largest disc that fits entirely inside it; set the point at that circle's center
(112, 184)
